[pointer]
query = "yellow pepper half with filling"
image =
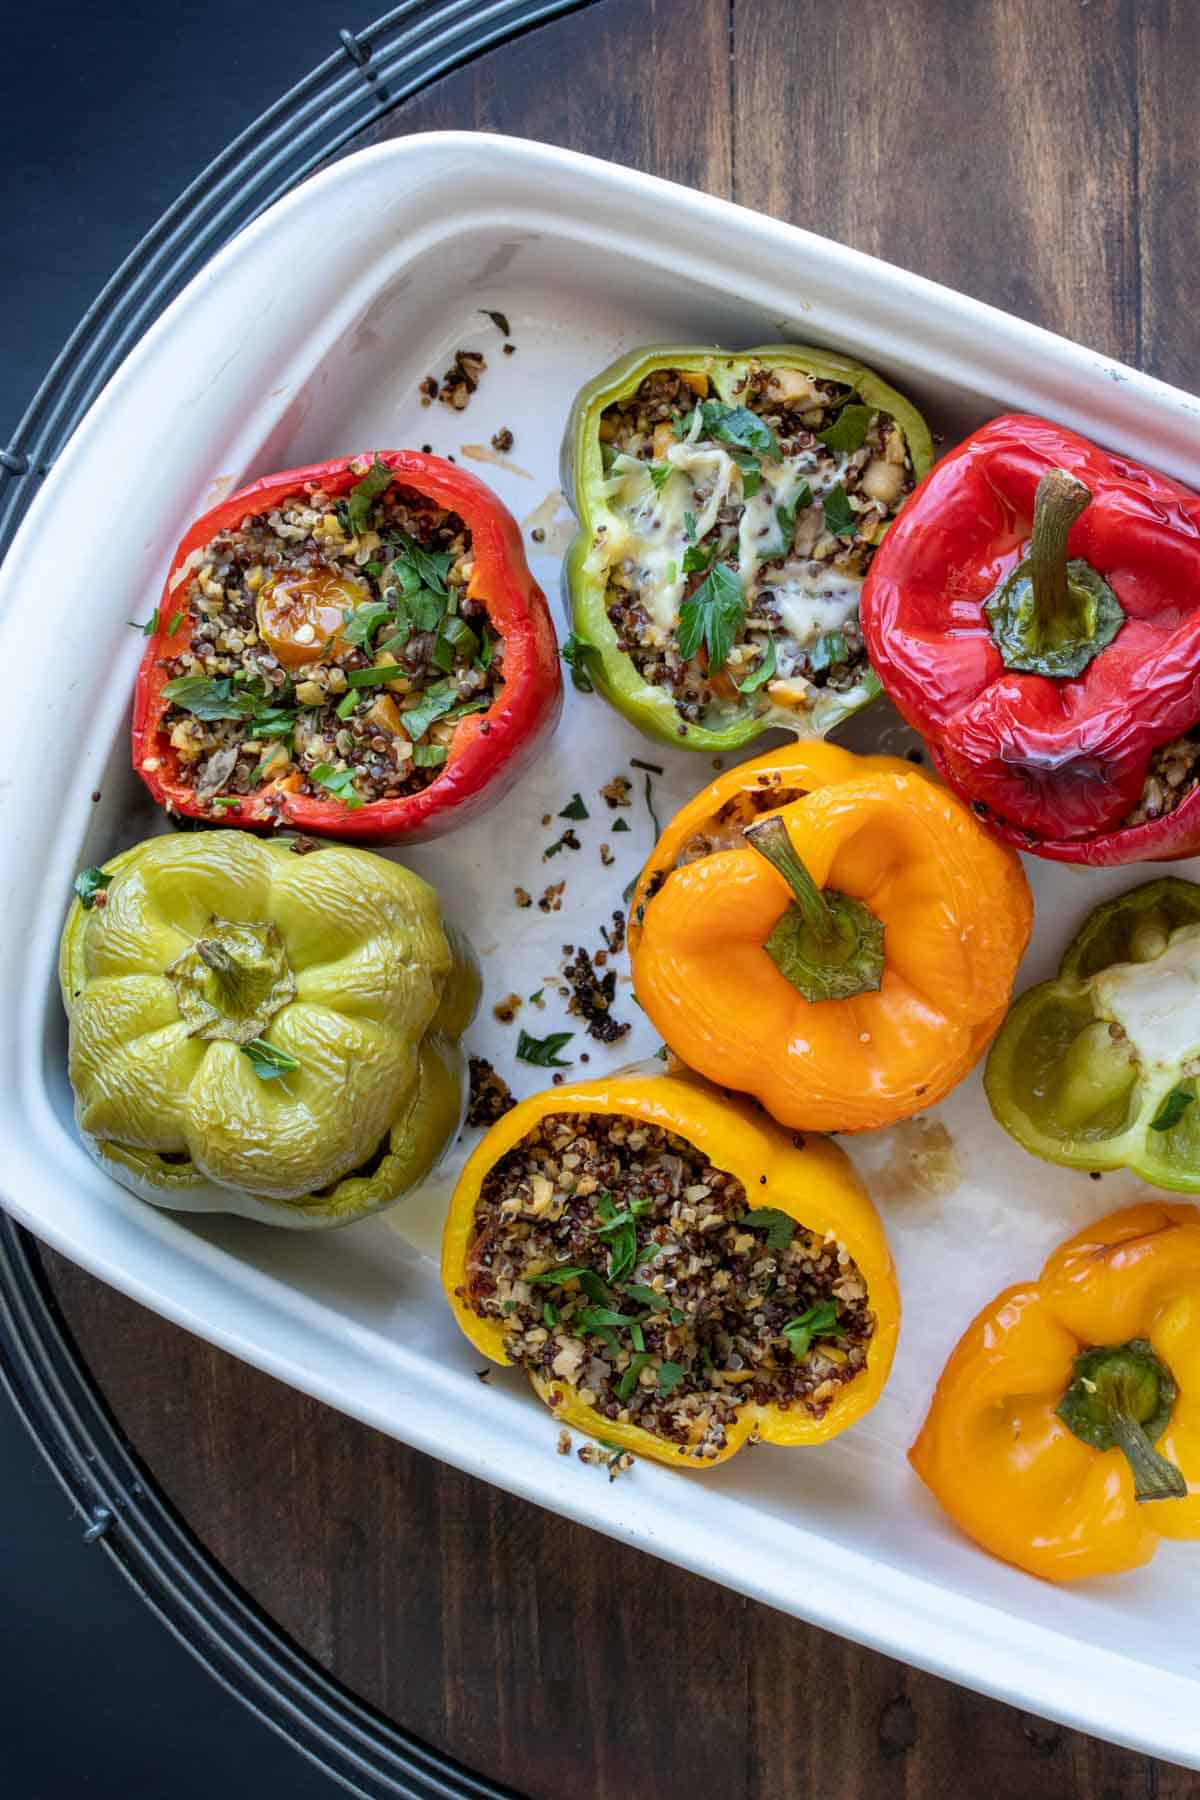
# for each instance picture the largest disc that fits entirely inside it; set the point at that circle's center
(1064, 1434)
(676, 1275)
(834, 934)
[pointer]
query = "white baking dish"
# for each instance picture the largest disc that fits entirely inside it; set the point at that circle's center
(305, 338)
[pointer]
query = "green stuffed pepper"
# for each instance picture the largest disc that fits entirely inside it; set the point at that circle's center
(263, 1032)
(729, 507)
(1100, 1067)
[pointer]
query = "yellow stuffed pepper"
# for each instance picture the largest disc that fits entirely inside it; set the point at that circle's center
(1064, 1435)
(674, 1273)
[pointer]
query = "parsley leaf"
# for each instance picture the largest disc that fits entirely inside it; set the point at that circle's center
(487, 649)
(780, 1227)
(736, 426)
(712, 616)
(456, 643)
(1166, 1118)
(499, 319)
(175, 623)
(268, 1061)
(697, 557)
(827, 651)
(818, 1321)
(669, 1376)
(689, 527)
(602, 1318)
(553, 1277)
(767, 666)
(549, 1314)
(629, 1379)
(150, 627)
(88, 883)
(421, 567)
(376, 676)
(575, 809)
(620, 825)
(785, 515)
(360, 625)
(429, 756)
(645, 1296)
(338, 782)
(433, 705)
(574, 653)
(273, 722)
(206, 697)
(839, 515)
(849, 429)
(543, 1052)
(751, 476)
(660, 473)
(363, 495)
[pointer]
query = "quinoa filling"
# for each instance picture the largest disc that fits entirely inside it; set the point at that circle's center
(1173, 772)
(619, 1261)
(739, 538)
(334, 650)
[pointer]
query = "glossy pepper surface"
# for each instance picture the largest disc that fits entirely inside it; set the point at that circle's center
(1035, 614)
(597, 655)
(842, 1009)
(261, 1032)
(489, 750)
(1064, 1434)
(813, 1182)
(1098, 1068)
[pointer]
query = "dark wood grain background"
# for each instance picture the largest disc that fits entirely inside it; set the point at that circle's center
(1043, 155)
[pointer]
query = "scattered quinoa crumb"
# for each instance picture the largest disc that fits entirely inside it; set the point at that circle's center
(510, 349)
(483, 1374)
(551, 900)
(564, 1443)
(522, 896)
(538, 535)
(507, 1009)
(460, 380)
(606, 855)
(489, 1096)
(502, 439)
(617, 791)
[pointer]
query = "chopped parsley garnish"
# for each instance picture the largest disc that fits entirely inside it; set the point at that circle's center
(711, 616)
(620, 825)
(176, 622)
(650, 799)
(363, 495)
(827, 651)
(669, 1376)
(88, 883)
(689, 527)
(574, 653)
(785, 514)
(637, 762)
(456, 642)
(645, 1296)
(374, 677)
(207, 697)
(629, 1379)
(554, 1277)
(736, 426)
(346, 704)
(819, 1321)
(339, 782)
(780, 1227)
(549, 1314)
(697, 557)
(543, 1052)
(575, 809)
(150, 627)
(417, 567)
(433, 705)
(487, 649)
(839, 514)
(1166, 1118)
(767, 666)
(429, 756)
(660, 473)
(268, 1061)
(499, 319)
(360, 625)
(849, 429)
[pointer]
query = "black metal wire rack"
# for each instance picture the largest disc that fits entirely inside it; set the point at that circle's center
(356, 85)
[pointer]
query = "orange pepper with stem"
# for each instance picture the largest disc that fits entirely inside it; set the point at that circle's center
(1064, 1434)
(833, 934)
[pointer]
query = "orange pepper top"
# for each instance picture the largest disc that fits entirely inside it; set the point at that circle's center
(997, 1451)
(950, 906)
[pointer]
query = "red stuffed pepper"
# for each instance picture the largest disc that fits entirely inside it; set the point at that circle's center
(355, 648)
(1035, 614)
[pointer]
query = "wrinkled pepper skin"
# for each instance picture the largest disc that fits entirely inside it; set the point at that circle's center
(490, 750)
(956, 912)
(1058, 764)
(1084, 1070)
(582, 476)
(993, 1449)
(814, 1182)
(367, 991)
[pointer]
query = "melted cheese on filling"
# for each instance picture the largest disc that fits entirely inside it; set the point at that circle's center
(1156, 1002)
(810, 598)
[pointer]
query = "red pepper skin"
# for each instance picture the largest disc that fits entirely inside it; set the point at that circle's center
(1057, 764)
(489, 750)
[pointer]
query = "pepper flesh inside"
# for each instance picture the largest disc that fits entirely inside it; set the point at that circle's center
(293, 619)
(624, 1265)
(776, 539)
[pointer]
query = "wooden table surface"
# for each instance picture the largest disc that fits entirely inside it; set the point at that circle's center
(1040, 154)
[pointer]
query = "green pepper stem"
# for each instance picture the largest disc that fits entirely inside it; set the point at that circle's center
(1121, 1397)
(1058, 502)
(217, 958)
(771, 839)
(1154, 1478)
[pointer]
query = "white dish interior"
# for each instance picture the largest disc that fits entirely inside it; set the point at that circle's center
(305, 339)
